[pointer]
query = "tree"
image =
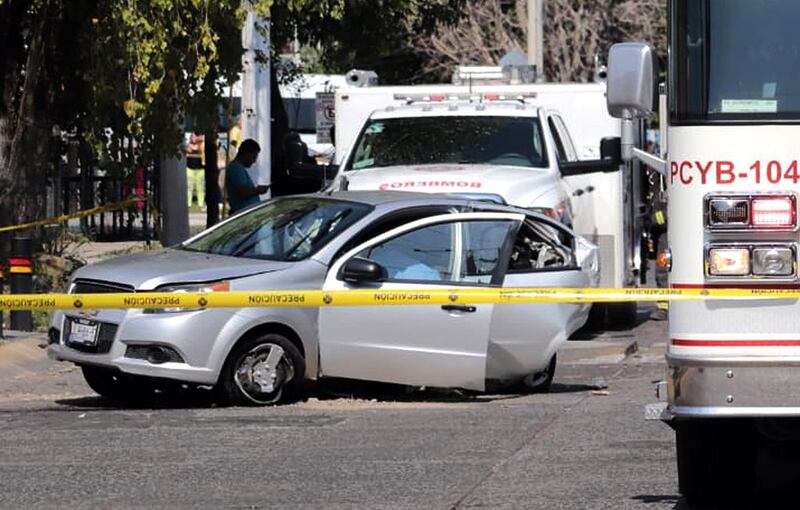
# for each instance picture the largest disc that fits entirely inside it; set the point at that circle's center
(575, 32)
(379, 35)
(115, 75)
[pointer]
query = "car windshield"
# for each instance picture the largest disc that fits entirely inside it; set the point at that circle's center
(514, 141)
(288, 229)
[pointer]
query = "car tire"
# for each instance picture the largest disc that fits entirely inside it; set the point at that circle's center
(540, 382)
(252, 376)
(716, 460)
(113, 384)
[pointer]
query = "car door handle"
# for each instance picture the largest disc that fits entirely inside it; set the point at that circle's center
(460, 308)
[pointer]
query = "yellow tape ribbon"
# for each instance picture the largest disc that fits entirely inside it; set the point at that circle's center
(86, 212)
(421, 296)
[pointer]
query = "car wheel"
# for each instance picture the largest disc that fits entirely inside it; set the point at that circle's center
(540, 382)
(263, 370)
(112, 384)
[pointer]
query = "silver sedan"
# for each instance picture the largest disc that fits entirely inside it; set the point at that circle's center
(375, 240)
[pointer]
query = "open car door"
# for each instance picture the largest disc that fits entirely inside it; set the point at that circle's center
(419, 345)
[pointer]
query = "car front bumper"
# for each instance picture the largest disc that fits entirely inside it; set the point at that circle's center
(201, 338)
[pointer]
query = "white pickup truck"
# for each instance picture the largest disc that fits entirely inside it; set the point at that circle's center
(507, 150)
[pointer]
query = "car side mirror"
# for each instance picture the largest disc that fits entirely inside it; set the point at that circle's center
(610, 160)
(361, 270)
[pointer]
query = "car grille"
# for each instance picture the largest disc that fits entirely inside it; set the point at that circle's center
(98, 287)
(105, 337)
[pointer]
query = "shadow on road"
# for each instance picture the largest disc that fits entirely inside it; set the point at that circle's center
(327, 390)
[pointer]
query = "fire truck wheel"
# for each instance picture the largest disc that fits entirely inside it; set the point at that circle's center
(716, 460)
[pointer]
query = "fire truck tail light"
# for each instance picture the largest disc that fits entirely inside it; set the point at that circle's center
(728, 212)
(729, 261)
(773, 261)
(773, 212)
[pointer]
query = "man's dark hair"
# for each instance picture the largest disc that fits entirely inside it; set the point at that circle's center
(249, 146)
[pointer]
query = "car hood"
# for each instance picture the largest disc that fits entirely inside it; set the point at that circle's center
(148, 270)
(517, 185)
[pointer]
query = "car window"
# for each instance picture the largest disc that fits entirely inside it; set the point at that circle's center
(285, 229)
(539, 247)
(561, 151)
(514, 141)
(456, 252)
(566, 139)
(483, 246)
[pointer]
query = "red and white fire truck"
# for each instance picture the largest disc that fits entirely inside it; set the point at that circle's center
(733, 112)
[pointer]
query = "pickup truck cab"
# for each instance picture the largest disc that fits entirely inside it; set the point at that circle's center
(509, 151)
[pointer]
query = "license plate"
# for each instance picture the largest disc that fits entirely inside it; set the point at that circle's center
(83, 332)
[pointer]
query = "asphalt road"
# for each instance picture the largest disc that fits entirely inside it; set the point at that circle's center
(583, 445)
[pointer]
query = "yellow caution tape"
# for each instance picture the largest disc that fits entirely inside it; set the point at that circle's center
(86, 212)
(421, 296)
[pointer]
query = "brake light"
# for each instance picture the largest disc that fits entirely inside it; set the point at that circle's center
(746, 212)
(773, 212)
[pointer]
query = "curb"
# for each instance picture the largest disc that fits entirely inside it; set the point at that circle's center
(617, 350)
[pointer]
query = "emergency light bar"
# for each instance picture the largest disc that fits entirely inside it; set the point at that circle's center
(475, 97)
(749, 212)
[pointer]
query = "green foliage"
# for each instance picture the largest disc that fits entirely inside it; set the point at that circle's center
(149, 64)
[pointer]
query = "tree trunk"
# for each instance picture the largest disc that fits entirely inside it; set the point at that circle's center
(27, 119)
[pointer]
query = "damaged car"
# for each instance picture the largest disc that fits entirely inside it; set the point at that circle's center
(337, 241)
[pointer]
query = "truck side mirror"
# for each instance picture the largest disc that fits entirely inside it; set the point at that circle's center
(631, 81)
(610, 160)
(611, 148)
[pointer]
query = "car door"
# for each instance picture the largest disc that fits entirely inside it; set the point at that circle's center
(420, 345)
(525, 336)
(579, 187)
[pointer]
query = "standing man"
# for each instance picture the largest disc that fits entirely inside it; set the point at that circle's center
(195, 169)
(241, 190)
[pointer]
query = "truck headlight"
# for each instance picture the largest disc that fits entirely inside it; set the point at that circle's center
(221, 286)
(729, 261)
(773, 261)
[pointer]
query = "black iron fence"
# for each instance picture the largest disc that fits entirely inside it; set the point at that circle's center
(134, 222)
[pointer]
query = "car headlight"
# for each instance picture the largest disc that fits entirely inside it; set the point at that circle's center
(221, 286)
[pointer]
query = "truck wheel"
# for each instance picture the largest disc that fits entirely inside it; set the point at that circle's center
(113, 384)
(262, 370)
(716, 460)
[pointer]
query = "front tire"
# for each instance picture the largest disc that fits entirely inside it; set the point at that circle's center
(263, 370)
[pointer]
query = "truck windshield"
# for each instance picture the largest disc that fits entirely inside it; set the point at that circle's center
(513, 141)
(287, 229)
(735, 60)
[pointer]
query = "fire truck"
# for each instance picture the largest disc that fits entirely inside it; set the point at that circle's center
(731, 116)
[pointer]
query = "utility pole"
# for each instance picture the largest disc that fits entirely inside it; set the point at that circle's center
(257, 93)
(536, 37)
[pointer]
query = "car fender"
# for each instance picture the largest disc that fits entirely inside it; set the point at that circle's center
(302, 321)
